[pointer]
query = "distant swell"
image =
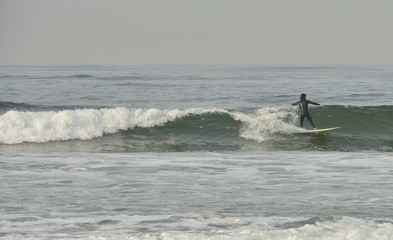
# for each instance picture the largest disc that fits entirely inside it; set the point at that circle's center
(12, 105)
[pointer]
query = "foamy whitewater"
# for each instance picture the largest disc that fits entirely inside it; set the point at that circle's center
(195, 152)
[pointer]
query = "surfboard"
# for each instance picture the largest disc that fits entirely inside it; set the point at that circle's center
(324, 130)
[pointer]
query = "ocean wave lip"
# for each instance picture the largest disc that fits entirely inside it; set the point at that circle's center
(84, 124)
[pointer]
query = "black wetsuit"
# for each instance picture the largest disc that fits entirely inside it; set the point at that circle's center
(303, 104)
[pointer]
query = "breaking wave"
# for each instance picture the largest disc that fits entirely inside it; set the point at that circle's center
(361, 127)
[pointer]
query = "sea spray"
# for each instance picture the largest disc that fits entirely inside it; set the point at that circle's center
(265, 124)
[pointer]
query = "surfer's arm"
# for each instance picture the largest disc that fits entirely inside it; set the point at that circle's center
(295, 103)
(314, 103)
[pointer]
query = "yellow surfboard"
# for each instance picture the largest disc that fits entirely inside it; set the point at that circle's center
(322, 130)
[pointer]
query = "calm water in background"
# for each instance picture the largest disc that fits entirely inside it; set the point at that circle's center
(195, 152)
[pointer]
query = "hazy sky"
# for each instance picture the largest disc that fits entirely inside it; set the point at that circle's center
(196, 31)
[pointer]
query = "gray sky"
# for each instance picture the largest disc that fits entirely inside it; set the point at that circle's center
(196, 32)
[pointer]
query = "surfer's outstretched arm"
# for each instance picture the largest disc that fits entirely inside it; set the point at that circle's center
(295, 103)
(314, 103)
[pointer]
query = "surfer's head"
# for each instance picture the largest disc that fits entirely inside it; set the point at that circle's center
(303, 96)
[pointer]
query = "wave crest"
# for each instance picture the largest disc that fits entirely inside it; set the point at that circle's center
(40, 127)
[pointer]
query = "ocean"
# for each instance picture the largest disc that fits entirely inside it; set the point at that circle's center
(195, 152)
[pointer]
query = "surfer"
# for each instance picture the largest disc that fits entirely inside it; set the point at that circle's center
(303, 105)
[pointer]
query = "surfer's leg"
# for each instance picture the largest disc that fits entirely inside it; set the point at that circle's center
(310, 120)
(301, 120)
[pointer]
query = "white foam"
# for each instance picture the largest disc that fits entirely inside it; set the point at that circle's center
(345, 229)
(40, 127)
(266, 123)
